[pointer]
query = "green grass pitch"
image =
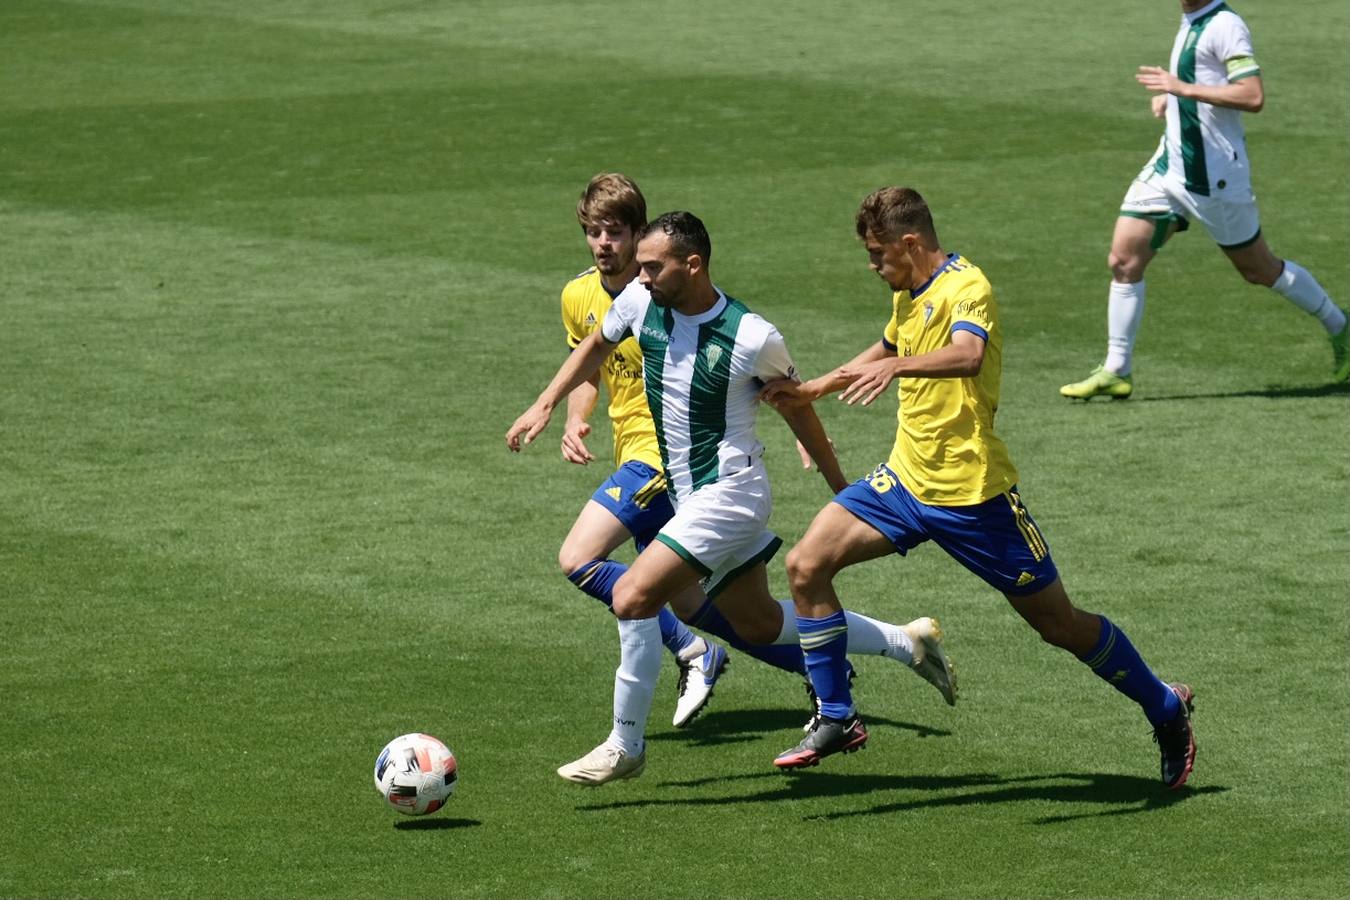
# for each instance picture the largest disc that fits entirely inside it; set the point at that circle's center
(276, 277)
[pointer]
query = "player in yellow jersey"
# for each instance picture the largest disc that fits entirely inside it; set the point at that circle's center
(633, 502)
(949, 479)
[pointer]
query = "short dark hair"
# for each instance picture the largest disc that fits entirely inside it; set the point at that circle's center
(891, 212)
(686, 232)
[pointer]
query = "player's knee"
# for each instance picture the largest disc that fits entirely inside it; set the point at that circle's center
(805, 569)
(1073, 629)
(569, 560)
(1125, 267)
(1056, 628)
(1053, 632)
(752, 626)
(1260, 275)
(630, 602)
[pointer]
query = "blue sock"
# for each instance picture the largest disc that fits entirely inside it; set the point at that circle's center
(674, 633)
(787, 657)
(825, 643)
(1116, 662)
(598, 577)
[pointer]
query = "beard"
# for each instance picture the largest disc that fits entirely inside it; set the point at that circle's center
(611, 264)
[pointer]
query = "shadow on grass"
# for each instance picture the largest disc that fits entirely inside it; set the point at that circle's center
(1320, 390)
(741, 725)
(1120, 794)
(436, 824)
(1117, 794)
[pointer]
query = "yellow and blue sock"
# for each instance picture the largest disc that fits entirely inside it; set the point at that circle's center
(825, 645)
(1116, 662)
(597, 579)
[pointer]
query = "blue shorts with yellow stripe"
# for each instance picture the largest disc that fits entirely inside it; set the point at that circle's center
(637, 496)
(997, 539)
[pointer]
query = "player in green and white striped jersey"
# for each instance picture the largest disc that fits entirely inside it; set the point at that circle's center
(705, 359)
(1200, 172)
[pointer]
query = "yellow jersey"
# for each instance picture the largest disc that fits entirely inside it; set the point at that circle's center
(946, 452)
(584, 304)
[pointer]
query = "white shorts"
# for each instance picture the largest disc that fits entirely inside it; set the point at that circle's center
(1232, 220)
(721, 528)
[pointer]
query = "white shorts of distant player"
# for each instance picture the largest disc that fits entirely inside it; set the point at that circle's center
(721, 528)
(1229, 215)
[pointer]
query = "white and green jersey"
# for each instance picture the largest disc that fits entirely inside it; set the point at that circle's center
(1203, 146)
(703, 375)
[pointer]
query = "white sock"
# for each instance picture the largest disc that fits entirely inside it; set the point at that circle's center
(1298, 286)
(640, 650)
(871, 637)
(866, 636)
(1124, 312)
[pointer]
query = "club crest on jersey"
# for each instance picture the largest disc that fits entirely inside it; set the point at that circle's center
(712, 353)
(927, 312)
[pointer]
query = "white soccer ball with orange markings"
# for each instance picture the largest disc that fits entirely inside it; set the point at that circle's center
(416, 774)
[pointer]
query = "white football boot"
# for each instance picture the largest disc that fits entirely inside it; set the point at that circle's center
(697, 677)
(930, 662)
(605, 763)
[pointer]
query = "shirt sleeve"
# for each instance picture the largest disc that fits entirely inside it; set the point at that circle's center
(974, 311)
(1232, 46)
(774, 361)
(571, 321)
(890, 336)
(619, 321)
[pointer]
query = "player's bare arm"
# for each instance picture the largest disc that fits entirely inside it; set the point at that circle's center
(580, 404)
(1246, 94)
(962, 358)
(787, 392)
(805, 424)
(580, 366)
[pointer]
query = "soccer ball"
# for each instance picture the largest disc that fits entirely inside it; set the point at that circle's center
(416, 774)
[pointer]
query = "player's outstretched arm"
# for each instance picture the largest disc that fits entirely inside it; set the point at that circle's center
(805, 424)
(962, 358)
(579, 366)
(786, 392)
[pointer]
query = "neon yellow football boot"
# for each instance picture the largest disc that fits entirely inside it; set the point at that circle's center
(1100, 383)
(1340, 355)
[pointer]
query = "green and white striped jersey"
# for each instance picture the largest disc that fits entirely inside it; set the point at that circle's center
(1203, 146)
(703, 375)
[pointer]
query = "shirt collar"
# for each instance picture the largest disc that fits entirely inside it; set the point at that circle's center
(951, 258)
(711, 313)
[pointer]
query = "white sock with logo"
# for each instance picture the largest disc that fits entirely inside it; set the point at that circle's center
(640, 652)
(1297, 285)
(866, 636)
(1124, 312)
